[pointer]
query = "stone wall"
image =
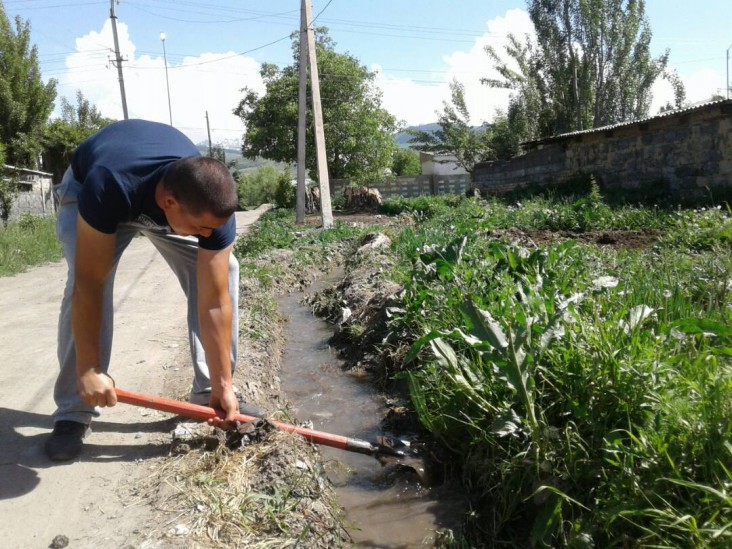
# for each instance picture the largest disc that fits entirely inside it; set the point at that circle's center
(35, 192)
(686, 153)
(37, 200)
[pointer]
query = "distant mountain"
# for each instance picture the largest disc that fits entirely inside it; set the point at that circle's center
(229, 145)
(402, 138)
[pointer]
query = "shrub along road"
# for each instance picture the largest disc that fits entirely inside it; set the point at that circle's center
(90, 501)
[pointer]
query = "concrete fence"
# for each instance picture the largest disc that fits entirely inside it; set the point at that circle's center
(35, 194)
(407, 187)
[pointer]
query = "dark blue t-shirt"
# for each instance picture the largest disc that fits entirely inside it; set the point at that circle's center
(119, 167)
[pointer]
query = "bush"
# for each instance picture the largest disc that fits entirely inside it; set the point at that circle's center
(285, 195)
(8, 194)
(258, 187)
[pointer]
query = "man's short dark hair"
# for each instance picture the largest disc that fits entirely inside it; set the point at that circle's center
(202, 185)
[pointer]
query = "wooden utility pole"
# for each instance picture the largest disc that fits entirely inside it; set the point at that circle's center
(326, 213)
(302, 118)
(208, 129)
(118, 59)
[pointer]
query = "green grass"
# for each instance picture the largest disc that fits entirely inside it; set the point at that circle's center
(28, 242)
(311, 245)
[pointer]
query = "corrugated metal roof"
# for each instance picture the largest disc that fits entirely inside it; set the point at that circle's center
(694, 107)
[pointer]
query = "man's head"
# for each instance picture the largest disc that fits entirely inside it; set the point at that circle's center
(197, 194)
(201, 185)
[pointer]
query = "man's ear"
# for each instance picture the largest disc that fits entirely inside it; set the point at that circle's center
(168, 201)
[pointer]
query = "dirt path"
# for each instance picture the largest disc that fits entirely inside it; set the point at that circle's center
(90, 501)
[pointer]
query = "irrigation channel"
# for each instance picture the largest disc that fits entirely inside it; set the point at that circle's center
(386, 506)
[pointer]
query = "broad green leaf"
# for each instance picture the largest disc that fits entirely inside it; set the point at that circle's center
(484, 326)
(546, 522)
(703, 326)
(506, 424)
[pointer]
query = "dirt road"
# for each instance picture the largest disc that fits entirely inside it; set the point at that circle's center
(90, 501)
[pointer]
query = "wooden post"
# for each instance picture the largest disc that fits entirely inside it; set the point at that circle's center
(301, 117)
(325, 209)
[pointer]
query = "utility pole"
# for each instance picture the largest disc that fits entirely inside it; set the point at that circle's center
(326, 212)
(301, 118)
(208, 129)
(726, 84)
(167, 83)
(118, 59)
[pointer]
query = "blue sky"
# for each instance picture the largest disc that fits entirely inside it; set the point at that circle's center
(214, 48)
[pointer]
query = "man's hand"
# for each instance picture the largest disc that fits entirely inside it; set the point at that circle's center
(96, 388)
(227, 402)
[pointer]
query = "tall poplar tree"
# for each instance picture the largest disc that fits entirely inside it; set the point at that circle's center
(25, 101)
(589, 66)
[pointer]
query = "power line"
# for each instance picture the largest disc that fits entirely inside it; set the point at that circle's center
(321, 11)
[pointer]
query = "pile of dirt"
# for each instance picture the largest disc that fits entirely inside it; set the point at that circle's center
(358, 306)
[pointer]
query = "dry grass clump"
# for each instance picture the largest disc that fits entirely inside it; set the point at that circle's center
(271, 493)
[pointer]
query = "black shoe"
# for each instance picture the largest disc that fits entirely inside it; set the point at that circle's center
(65, 442)
(249, 409)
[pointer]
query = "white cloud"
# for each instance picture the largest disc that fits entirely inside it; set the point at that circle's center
(700, 86)
(416, 102)
(209, 82)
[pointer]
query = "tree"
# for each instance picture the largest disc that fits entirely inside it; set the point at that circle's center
(456, 136)
(62, 136)
(405, 162)
(358, 131)
(590, 66)
(218, 152)
(8, 190)
(25, 101)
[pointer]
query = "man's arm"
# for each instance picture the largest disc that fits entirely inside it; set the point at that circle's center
(94, 257)
(215, 318)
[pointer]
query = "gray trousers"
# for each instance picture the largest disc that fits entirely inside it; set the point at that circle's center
(179, 252)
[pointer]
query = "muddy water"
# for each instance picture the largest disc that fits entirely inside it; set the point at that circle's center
(386, 506)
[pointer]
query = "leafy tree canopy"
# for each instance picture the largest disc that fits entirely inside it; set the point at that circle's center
(25, 101)
(358, 131)
(590, 66)
(62, 136)
(405, 162)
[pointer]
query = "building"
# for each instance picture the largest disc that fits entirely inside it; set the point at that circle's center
(35, 196)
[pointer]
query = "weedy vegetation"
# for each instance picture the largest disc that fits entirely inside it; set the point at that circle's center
(27, 242)
(585, 390)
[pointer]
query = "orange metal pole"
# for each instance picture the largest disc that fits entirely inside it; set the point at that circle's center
(203, 413)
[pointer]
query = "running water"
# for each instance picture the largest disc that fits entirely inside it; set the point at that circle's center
(386, 506)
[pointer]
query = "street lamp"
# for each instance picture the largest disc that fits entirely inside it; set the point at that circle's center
(167, 83)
